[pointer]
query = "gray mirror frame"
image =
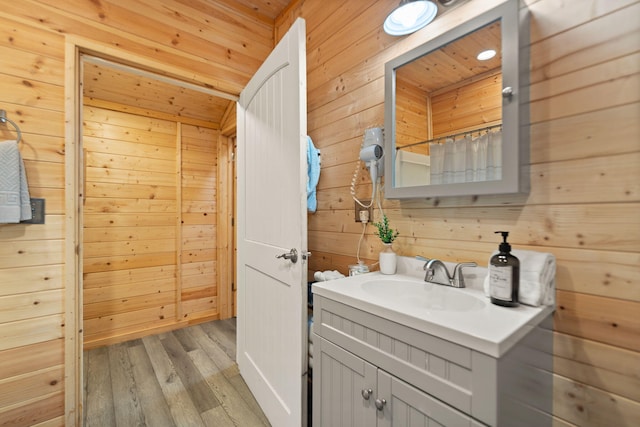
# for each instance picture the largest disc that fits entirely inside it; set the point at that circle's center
(515, 109)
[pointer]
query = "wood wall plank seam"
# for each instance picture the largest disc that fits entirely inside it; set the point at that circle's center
(178, 241)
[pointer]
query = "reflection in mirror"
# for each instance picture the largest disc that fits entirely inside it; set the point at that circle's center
(443, 107)
(448, 112)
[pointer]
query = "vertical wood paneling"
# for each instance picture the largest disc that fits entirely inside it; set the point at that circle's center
(583, 202)
(178, 226)
(225, 234)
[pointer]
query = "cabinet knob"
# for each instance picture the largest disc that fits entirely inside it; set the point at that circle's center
(507, 92)
(366, 394)
(380, 404)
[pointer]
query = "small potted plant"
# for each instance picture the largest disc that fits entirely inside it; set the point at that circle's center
(388, 258)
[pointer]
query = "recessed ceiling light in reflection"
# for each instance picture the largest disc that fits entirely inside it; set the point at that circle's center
(486, 55)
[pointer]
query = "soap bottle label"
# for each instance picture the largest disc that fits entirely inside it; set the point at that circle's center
(500, 281)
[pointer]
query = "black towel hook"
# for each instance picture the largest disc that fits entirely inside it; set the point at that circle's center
(3, 119)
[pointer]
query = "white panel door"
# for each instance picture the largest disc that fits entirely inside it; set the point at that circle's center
(272, 220)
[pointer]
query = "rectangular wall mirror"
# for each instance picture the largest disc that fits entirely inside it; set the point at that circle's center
(456, 124)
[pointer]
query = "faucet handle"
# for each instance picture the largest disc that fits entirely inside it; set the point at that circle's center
(458, 278)
(423, 259)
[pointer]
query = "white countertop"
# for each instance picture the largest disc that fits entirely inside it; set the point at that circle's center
(487, 328)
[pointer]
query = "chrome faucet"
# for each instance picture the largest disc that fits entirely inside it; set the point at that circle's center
(436, 272)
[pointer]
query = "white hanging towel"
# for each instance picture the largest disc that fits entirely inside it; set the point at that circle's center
(15, 202)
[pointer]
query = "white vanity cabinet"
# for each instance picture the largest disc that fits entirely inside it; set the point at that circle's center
(355, 393)
(371, 371)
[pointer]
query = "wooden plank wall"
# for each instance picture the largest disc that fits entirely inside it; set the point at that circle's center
(585, 174)
(146, 267)
(199, 290)
(467, 106)
(31, 256)
(413, 114)
(203, 41)
(129, 238)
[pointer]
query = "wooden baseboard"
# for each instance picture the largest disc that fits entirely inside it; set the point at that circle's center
(99, 341)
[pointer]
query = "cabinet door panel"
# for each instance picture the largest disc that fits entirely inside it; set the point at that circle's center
(409, 407)
(338, 385)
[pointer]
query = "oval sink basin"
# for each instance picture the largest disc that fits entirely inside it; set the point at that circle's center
(423, 295)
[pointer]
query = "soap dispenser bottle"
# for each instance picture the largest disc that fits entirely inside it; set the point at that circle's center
(504, 275)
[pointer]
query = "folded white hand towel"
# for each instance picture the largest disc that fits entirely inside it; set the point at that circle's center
(323, 276)
(15, 203)
(537, 277)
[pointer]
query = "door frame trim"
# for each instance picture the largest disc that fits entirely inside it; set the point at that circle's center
(73, 184)
(73, 383)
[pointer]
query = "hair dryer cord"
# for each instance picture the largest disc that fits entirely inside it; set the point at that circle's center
(353, 188)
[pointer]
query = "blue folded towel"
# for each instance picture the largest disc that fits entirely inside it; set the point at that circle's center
(15, 203)
(313, 174)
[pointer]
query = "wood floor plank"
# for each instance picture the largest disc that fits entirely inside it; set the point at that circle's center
(99, 409)
(222, 336)
(201, 395)
(211, 348)
(154, 405)
(187, 341)
(232, 402)
(217, 417)
(182, 408)
(126, 403)
(233, 376)
(186, 377)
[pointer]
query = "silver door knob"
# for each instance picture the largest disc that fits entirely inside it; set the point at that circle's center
(292, 255)
(366, 393)
(380, 404)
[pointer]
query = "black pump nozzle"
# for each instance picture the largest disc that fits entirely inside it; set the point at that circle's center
(504, 246)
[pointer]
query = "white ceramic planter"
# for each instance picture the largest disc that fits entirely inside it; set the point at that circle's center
(388, 260)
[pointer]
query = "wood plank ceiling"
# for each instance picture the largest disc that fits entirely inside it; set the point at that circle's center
(455, 62)
(106, 83)
(119, 86)
(446, 67)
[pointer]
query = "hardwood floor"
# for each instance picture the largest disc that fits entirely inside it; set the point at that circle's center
(182, 378)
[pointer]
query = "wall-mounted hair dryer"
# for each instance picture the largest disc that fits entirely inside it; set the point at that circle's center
(372, 153)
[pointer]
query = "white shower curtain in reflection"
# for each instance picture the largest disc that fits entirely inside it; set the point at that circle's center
(436, 154)
(459, 160)
(470, 159)
(480, 163)
(447, 172)
(494, 156)
(467, 160)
